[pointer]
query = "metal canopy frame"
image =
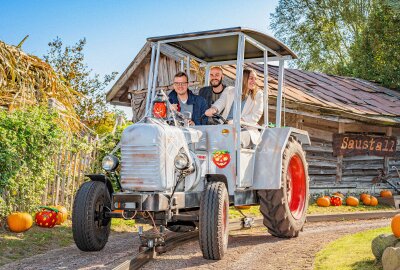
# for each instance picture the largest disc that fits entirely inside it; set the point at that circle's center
(158, 46)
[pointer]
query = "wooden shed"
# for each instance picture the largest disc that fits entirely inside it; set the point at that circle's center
(346, 118)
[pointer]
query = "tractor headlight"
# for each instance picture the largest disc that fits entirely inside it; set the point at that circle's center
(110, 163)
(181, 161)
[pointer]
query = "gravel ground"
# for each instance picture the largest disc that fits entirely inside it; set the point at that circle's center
(250, 249)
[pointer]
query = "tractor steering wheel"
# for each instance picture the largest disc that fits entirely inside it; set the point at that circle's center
(217, 118)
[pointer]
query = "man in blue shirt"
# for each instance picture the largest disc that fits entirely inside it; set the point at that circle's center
(183, 100)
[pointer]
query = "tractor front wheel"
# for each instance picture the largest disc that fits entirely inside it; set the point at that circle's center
(214, 221)
(90, 227)
(284, 210)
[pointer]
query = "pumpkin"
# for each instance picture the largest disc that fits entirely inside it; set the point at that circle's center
(336, 201)
(62, 214)
(19, 222)
(396, 225)
(46, 218)
(391, 258)
(352, 201)
(328, 197)
(338, 194)
(367, 200)
(323, 202)
(374, 201)
(363, 195)
(381, 242)
(386, 193)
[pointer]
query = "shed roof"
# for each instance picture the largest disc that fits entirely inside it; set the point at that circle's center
(221, 44)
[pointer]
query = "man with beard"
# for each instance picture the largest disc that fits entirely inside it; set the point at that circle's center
(213, 92)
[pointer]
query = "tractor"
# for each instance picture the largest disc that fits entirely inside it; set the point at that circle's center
(177, 177)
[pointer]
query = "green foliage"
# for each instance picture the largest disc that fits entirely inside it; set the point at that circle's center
(321, 31)
(29, 140)
(69, 62)
(376, 53)
(350, 37)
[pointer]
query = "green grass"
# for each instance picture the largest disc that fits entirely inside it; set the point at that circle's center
(315, 209)
(351, 252)
(37, 240)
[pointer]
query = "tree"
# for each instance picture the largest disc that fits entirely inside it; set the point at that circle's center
(321, 32)
(69, 62)
(376, 53)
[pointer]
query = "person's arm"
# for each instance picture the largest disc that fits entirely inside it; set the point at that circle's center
(218, 105)
(203, 108)
(254, 116)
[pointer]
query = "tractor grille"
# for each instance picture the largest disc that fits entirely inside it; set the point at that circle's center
(141, 168)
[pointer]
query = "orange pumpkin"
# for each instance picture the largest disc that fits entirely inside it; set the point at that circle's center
(338, 194)
(367, 200)
(363, 195)
(352, 201)
(386, 193)
(374, 201)
(62, 214)
(19, 222)
(328, 197)
(323, 201)
(396, 225)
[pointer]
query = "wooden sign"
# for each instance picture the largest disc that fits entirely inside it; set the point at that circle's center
(356, 145)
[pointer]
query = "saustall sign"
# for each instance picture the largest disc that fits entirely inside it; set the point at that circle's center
(356, 145)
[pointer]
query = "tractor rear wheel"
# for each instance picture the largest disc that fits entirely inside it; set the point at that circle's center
(90, 228)
(214, 221)
(284, 210)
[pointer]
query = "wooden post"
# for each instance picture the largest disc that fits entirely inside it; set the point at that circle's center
(339, 162)
(386, 159)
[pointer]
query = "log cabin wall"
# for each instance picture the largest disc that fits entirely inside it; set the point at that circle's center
(329, 173)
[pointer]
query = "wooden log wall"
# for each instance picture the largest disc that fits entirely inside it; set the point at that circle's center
(357, 172)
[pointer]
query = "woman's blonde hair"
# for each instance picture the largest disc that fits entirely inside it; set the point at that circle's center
(245, 89)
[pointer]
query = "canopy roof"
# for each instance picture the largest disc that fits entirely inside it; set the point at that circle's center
(221, 44)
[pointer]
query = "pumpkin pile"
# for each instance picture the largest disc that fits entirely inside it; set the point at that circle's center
(368, 200)
(386, 247)
(50, 216)
(337, 199)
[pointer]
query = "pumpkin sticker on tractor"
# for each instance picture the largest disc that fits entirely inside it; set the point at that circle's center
(221, 158)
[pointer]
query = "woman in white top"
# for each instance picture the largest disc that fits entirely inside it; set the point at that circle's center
(252, 107)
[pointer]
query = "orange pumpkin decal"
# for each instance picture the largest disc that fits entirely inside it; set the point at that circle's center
(19, 222)
(323, 201)
(352, 201)
(386, 193)
(396, 225)
(363, 195)
(221, 158)
(374, 201)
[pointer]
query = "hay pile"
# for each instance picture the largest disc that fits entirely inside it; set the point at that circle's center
(26, 80)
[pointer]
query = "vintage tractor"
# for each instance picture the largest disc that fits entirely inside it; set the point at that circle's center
(181, 178)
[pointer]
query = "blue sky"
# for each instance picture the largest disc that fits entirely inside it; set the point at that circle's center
(116, 30)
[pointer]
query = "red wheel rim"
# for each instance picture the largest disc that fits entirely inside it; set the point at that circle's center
(296, 186)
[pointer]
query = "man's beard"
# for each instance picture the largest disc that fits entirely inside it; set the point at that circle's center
(215, 85)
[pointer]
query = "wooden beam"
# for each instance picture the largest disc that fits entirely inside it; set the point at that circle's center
(386, 168)
(339, 162)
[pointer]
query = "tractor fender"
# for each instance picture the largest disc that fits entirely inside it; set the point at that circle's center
(102, 178)
(268, 156)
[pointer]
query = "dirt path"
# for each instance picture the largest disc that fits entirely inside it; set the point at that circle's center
(250, 249)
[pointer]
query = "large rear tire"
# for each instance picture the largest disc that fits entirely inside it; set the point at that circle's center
(284, 210)
(214, 221)
(90, 228)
